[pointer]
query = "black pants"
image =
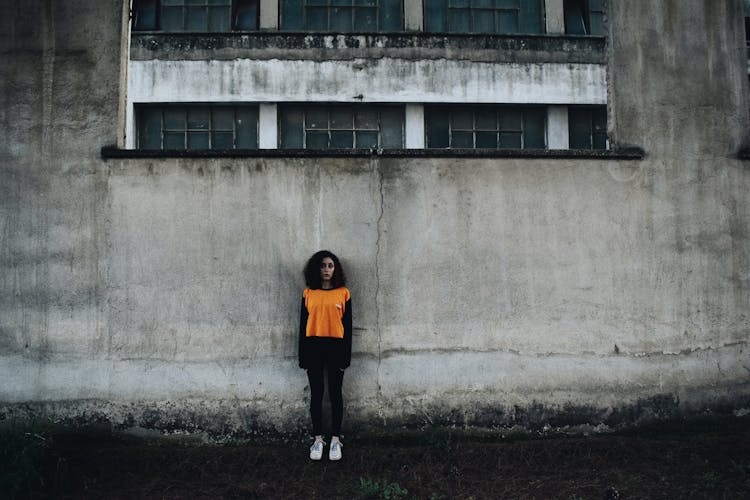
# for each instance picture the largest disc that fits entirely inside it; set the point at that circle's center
(335, 380)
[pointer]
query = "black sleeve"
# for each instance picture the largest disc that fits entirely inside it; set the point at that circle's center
(302, 330)
(347, 321)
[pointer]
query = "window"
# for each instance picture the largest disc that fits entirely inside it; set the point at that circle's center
(341, 126)
(342, 15)
(584, 17)
(492, 127)
(195, 15)
(196, 126)
(587, 126)
(484, 16)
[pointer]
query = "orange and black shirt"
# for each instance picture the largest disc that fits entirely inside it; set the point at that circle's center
(325, 330)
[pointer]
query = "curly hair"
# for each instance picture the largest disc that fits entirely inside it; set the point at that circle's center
(312, 271)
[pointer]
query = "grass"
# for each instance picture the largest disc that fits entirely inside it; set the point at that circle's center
(380, 489)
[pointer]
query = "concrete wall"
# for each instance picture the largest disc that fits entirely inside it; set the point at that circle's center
(164, 293)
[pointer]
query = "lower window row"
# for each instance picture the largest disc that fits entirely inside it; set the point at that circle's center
(320, 127)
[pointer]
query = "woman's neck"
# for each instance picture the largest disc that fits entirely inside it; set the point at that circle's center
(326, 285)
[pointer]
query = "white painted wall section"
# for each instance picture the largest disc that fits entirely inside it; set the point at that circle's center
(269, 14)
(554, 15)
(381, 80)
(557, 127)
(414, 126)
(267, 127)
(413, 17)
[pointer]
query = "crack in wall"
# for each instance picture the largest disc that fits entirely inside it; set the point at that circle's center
(378, 227)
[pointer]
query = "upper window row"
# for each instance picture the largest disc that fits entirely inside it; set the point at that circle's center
(582, 17)
(362, 126)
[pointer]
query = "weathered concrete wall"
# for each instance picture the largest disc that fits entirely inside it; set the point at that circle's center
(164, 292)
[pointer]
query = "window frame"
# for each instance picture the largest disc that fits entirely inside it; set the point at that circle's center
(593, 130)
(141, 108)
(232, 5)
(437, 16)
(285, 110)
(298, 11)
(525, 112)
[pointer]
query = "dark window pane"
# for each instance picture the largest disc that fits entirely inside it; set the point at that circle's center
(174, 140)
(222, 140)
(364, 20)
(366, 119)
(218, 19)
(197, 140)
(391, 15)
(459, 20)
(579, 125)
(174, 119)
(483, 4)
(291, 128)
(246, 125)
(509, 4)
(510, 120)
(436, 15)
(145, 15)
(392, 128)
(532, 18)
(342, 139)
(507, 22)
(317, 140)
(197, 118)
(196, 19)
(246, 15)
(339, 3)
(367, 139)
(596, 24)
(195, 2)
(316, 118)
(574, 17)
(459, 3)
(340, 19)
(369, 3)
(341, 118)
(149, 128)
(172, 2)
(317, 18)
(510, 139)
(462, 139)
(171, 19)
(486, 139)
(596, 5)
(292, 15)
(533, 132)
(462, 119)
(484, 21)
(222, 119)
(486, 119)
(437, 128)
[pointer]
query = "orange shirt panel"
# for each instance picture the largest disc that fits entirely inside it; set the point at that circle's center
(325, 309)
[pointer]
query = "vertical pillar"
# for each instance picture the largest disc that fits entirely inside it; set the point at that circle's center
(269, 15)
(268, 136)
(124, 137)
(413, 17)
(557, 127)
(414, 126)
(555, 16)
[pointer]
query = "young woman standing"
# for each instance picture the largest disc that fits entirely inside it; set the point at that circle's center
(325, 343)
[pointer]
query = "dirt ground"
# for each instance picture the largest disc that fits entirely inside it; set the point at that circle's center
(707, 458)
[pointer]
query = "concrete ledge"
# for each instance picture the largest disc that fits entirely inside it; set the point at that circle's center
(327, 46)
(108, 152)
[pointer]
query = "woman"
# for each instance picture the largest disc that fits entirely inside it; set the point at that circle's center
(325, 343)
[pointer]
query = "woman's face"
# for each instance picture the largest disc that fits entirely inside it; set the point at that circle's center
(326, 269)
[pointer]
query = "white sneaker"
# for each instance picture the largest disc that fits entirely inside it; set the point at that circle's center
(316, 450)
(334, 452)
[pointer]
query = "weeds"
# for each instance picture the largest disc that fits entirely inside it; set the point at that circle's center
(382, 489)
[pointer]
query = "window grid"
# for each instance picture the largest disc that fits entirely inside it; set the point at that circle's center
(485, 128)
(195, 15)
(483, 16)
(342, 127)
(197, 127)
(587, 127)
(342, 15)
